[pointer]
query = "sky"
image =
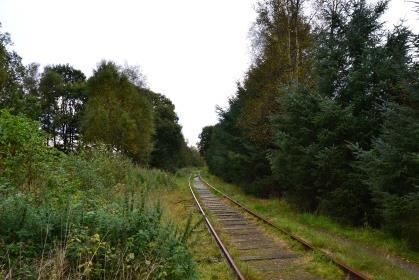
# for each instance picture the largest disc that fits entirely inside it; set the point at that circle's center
(192, 51)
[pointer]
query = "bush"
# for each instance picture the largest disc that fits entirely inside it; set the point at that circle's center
(85, 217)
(95, 240)
(23, 151)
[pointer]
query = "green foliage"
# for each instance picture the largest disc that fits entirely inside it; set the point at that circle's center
(190, 157)
(282, 40)
(122, 112)
(23, 153)
(234, 158)
(86, 217)
(168, 138)
(312, 158)
(238, 146)
(95, 239)
(205, 140)
(170, 150)
(63, 96)
(391, 170)
(99, 169)
(316, 104)
(17, 83)
(118, 114)
(357, 75)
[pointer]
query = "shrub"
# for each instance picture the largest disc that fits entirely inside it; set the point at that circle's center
(23, 151)
(88, 217)
(96, 240)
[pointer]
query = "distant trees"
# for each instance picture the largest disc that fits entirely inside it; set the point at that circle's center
(168, 139)
(112, 107)
(55, 98)
(62, 97)
(18, 88)
(327, 119)
(238, 148)
(205, 139)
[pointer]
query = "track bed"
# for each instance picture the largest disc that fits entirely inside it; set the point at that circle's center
(269, 257)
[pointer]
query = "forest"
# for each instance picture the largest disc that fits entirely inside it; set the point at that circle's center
(327, 116)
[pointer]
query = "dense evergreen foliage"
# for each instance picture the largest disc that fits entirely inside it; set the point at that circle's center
(326, 116)
(390, 169)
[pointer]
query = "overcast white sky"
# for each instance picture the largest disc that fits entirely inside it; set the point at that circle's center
(193, 51)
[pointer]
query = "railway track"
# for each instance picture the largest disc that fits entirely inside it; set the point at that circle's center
(220, 244)
(270, 258)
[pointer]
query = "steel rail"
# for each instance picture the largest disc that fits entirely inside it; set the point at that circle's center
(216, 237)
(354, 274)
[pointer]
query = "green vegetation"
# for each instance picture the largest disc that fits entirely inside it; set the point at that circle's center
(82, 215)
(118, 114)
(61, 97)
(368, 250)
(76, 198)
(325, 123)
(113, 107)
(170, 150)
(326, 117)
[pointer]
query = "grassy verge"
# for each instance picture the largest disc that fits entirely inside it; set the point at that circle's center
(311, 262)
(365, 249)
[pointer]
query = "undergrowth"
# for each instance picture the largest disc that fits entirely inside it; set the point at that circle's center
(84, 215)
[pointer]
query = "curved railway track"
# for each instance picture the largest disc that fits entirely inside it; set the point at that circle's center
(267, 255)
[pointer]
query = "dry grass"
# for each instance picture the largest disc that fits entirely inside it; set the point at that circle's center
(175, 203)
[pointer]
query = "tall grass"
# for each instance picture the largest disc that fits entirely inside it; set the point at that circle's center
(88, 217)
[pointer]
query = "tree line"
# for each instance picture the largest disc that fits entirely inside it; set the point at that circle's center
(113, 107)
(327, 116)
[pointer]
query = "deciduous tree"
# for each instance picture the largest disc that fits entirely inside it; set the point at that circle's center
(118, 114)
